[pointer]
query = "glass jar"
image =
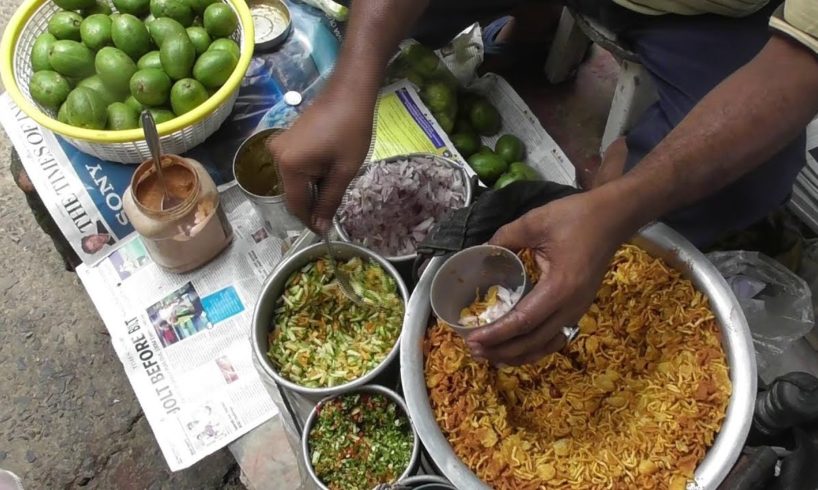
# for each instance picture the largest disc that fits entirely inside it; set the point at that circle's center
(189, 234)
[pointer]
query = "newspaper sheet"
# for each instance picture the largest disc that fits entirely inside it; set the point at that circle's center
(183, 338)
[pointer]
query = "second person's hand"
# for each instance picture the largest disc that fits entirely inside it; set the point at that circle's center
(573, 240)
(327, 145)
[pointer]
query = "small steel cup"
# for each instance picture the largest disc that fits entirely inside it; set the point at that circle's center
(272, 209)
(456, 283)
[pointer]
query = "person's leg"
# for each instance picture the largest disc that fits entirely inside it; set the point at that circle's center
(687, 57)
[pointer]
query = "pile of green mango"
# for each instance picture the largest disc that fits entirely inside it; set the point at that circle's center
(99, 69)
(465, 117)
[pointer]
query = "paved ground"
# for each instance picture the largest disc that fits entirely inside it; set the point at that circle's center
(68, 417)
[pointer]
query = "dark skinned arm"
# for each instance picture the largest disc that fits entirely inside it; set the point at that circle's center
(739, 125)
(330, 140)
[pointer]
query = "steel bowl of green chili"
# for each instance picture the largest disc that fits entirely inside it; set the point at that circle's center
(310, 338)
(359, 440)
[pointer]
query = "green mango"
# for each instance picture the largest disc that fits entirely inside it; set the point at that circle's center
(163, 28)
(74, 4)
(71, 59)
(101, 7)
(220, 20)
(177, 10)
(130, 35)
(85, 109)
(149, 60)
(225, 44)
(95, 83)
(160, 115)
(200, 39)
(115, 68)
(95, 31)
(39, 51)
(150, 86)
(139, 8)
(186, 95)
(65, 25)
(49, 89)
(135, 104)
(213, 68)
(177, 55)
(122, 116)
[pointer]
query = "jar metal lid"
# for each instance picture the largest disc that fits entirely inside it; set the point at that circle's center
(272, 22)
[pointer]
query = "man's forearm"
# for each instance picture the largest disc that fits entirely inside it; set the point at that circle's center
(739, 125)
(373, 33)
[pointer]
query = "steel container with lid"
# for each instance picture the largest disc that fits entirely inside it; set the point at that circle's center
(659, 241)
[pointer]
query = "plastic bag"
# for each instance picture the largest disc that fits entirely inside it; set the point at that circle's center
(776, 302)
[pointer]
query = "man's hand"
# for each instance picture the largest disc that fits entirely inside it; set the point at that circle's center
(330, 140)
(326, 145)
(573, 240)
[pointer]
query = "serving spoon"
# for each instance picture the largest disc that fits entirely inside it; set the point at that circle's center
(152, 137)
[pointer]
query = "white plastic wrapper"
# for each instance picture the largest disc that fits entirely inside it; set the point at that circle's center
(776, 302)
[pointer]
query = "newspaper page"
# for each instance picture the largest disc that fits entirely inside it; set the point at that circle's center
(183, 338)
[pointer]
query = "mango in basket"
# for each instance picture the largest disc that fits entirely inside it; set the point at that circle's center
(39, 51)
(85, 109)
(160, 115)
(177, 10)
(200, 39)
(95, 31)
(115, 68)
(134, 104)
(177, 55)
(186, 95)
(161, 29)
(199, 6)
(214, 67)
(130, 35)
(95, 84)
(75, 4)
(71, 59)
(150, 87)
(65, 25)
(138, 8)
(49, 88)
(122, 116)
(220, 20)
(150, 59)
(225, 44)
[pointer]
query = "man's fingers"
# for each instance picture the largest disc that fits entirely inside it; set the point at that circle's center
(544, 339)
(511, 236)
(554, 345)
(330, 192)
(295, 181)
(533, 310)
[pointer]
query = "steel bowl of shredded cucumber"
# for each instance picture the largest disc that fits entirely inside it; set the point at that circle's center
(359, 440)
(309, 337)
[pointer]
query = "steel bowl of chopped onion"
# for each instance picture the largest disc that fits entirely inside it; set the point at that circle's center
(393, 203)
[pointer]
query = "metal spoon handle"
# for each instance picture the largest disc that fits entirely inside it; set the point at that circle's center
(152, 137)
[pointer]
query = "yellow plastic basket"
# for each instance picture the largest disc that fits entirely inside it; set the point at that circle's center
(177, 135)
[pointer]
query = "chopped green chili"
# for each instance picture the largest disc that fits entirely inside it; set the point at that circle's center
(360, 440)
(323, 339)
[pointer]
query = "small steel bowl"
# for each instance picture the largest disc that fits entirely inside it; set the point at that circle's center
(266, 304)
(414, 460)
(272, 23)
(474, 269)
(462, 172)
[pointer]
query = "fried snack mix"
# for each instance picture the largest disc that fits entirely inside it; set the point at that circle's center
(634, 402)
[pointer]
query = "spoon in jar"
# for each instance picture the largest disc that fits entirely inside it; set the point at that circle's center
(152, 137)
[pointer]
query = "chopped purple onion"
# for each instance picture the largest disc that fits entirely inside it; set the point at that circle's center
(393, 205)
